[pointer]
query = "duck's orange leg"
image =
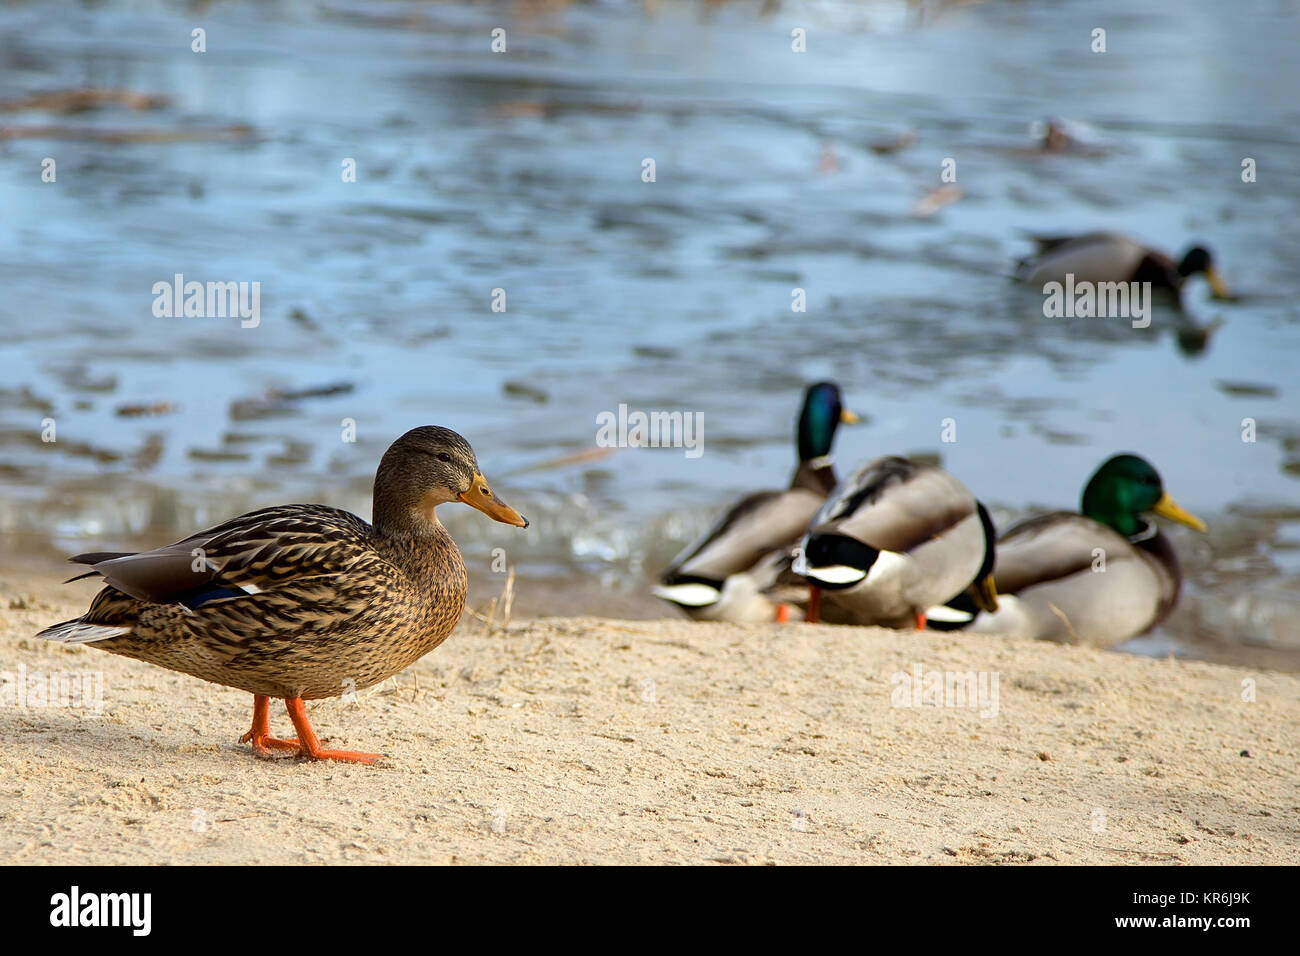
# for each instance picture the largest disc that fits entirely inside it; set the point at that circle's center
(813, 614)
(919, 619)
(309, 743)
(259, 735)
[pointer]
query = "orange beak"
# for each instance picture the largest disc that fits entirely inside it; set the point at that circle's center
(480, 496)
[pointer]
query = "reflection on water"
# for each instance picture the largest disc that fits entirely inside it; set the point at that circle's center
(522, 172)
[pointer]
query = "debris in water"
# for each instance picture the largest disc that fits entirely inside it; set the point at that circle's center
(84, 100)
(520, 390)
(138, 410)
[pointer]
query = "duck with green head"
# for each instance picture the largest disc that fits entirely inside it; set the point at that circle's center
(1096, 578)
(1098, 257)
(724, 574)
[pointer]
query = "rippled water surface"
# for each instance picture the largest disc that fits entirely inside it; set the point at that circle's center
(522, 171)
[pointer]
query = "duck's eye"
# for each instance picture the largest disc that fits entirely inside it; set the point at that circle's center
(443, 456)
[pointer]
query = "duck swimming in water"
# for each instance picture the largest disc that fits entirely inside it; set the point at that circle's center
(1112, 257)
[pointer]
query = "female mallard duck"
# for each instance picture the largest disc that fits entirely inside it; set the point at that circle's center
(1112, 257)
(722, 575)
(1096, 578)
(891, 539)
(301, 602)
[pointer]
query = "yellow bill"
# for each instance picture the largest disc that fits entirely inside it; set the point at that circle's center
(1166, 507)
(1217, 285)
(480, 496)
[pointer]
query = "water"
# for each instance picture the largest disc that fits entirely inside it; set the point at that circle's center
(522, 171)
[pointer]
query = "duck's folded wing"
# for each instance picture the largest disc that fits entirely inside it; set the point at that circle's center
(1052, 547)
(1048, 243)
(894, 504)
(1094, 257)
(247, 555)
(755, 526)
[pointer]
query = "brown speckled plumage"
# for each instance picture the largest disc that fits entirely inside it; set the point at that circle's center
(340, 605)
(301, 601)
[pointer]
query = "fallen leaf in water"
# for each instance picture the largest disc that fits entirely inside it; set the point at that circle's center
(1253, 389)
(312, 391)
(280, 401)
(237, 133)
(205, 454)
(148, 408)
(829, 163)
(936, 199)
(84, 100)
(521, 390)
(893, 144)
(149, 454)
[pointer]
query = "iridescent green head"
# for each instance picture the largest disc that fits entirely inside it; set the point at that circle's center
(823, 412)
(1125, 488)
(1198, 260)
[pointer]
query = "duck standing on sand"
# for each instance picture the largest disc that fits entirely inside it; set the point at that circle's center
(891, 538)
(301, 602)
(1096, 578)
(722, 575)
(1112, 257)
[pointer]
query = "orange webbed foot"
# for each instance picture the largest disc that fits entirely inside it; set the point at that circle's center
(309, 743)
(306, 744)
(263, 745)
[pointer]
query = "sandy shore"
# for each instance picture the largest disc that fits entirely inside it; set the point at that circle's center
(596, 741)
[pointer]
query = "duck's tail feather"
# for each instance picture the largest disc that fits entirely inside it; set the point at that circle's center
(94, 557)
(82, 632)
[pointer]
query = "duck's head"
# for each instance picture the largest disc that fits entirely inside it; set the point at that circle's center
(429, 466)
(1198, 260)
(823, 412)
(1052, 136)
(1125, 488)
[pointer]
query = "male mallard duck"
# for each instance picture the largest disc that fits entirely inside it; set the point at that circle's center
(301, 602)
(1096, 578)
(891, 539)
(721, 576)
(1112, 257)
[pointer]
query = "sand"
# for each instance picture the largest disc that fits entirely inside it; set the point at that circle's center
(599, 741)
